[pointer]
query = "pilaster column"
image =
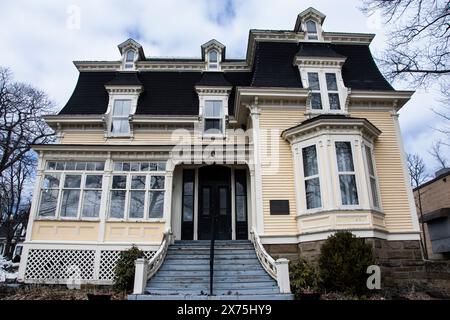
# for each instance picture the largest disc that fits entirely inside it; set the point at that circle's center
(168, 182)
(107, 176)
(255, 112)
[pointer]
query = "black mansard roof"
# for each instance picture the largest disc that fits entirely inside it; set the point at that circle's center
(173, 92)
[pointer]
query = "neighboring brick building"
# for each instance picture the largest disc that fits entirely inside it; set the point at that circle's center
(435, 204)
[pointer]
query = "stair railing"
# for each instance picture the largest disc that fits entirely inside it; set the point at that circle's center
(277, 269)
(211, 256)
(145, 269)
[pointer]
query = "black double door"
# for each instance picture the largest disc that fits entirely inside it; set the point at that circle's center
(214, 203)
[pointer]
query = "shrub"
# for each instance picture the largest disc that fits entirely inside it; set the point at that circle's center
(303, 277)
(124, 269)
(343, 263)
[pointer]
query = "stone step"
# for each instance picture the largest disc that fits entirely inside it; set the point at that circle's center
(279, 296)
(202, 285)
(217, 279)
(216, 257)
(217, 267)
(252, 291)
(205, 273)
(248, 262)
(216, 251)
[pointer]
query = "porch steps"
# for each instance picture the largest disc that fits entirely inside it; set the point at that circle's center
(238, 274)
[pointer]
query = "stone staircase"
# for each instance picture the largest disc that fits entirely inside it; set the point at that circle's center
(238, 274)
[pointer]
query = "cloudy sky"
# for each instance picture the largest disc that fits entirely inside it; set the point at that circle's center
(41, 39)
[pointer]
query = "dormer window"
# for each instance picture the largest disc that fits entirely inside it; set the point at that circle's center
(325, 94)
(213, 60)
(120, 125)
(129, 60)
(213, 117)
(311, 30)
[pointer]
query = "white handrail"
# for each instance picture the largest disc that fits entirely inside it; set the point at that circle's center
(145, 269)
(278, 270)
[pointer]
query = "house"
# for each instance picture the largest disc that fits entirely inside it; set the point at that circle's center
(433, 209)
(16, 241)
(283, 147)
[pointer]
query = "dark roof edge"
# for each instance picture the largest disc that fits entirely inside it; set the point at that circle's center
(445, 174)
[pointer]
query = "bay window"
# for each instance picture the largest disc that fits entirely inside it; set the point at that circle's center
(137, 190)
(311, 176)
(346, 173)
(71, 189)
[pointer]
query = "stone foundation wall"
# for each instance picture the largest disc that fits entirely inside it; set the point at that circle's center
(402, 265)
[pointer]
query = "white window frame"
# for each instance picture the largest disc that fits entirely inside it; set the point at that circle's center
(318, 33)
(63, 173)
(127, 65)
(148, 174)
(121, 118)
(301, 146)
(210, 63)
(357, 170)
(341, 90)
(220, 97)
(370, 176)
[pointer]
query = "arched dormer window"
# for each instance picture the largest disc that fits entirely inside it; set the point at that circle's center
(213, 60)
(129, 59)
(311, 30)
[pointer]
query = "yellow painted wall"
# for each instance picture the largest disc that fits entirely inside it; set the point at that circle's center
(134, 232)
(65, 230)
(278, 180)
(394, 193)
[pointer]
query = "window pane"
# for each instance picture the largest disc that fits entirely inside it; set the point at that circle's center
(310, 167)
(313, 199)
(213, 108)
(70, 165)
(120, 126)
(47, 207)
(144, 166)
(117, 204)
(157, 182)
(90, 166)
(313, 80)
(331, 81)
(134, 166)
(156, 204)
(81, 166)
(334, 101)
(205, 201)
(51, 165)
(349, 193)
(316, 101)
(213, 125)
(373, 187)
(122, 108)
(125, 166)
(72, 181)
(130, 56)
(51, 181)
(223, 201)
(94, 182)
(138, 182)
(99, 166)
(137, 204)
(70, 200)
(119, 182)
(91, 203)
(241, 208)
(188, 208)
(118, 166)
(213, 56)
(344, 156)
(369, 161)
(60, 165)
(240, 188)
(153, 166)
(311, 27)
(161, 166)
(188, 188)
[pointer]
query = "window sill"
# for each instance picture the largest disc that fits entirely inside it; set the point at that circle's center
(67, 219)
(339, 210)
(322, 111)
(155, 220)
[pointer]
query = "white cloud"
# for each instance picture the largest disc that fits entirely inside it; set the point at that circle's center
(39, 46)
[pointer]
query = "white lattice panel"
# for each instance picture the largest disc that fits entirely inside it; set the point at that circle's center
(108, 260)
(55, 265)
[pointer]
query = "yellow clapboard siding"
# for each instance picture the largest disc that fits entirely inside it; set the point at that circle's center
(278, 175)
(394, 193)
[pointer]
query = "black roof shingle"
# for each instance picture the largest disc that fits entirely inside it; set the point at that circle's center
(173, 92)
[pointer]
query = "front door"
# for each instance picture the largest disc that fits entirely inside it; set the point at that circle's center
(214, 203)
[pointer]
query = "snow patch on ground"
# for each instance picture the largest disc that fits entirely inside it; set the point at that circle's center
(8, 270)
